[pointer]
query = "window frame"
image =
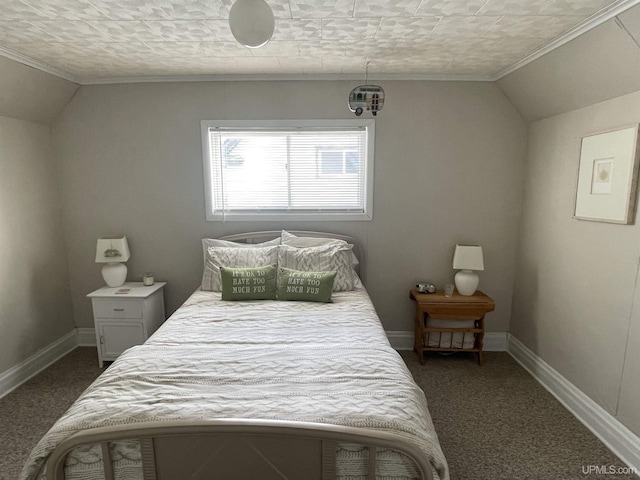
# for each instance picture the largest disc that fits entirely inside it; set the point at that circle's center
(215, 216)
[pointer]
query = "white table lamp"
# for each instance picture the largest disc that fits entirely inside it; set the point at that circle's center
(112, 251)
(467, 258)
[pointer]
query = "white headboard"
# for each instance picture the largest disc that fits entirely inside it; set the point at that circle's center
(259, 237)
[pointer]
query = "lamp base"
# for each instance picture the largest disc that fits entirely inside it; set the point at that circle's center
(114, 274)
(467, 282)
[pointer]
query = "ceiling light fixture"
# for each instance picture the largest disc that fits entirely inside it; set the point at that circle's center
(251, 22)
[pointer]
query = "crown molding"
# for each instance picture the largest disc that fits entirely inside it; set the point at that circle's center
(590, 23)
(284, 77)
(43, 67)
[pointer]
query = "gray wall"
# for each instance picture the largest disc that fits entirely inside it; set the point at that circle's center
(574, 293)
(35, 304)
(575, 303)
(449, 168)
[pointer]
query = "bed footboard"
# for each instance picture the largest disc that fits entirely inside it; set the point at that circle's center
(239, 449)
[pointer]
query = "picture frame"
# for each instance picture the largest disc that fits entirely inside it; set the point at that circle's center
(608, 176)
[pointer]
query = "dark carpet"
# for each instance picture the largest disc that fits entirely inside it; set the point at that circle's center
(494, 422)
(28, 412)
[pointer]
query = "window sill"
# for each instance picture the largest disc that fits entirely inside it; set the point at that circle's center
(266, 217)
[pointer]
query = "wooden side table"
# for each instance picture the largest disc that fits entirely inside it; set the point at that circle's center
(457, 307)
(125, 316)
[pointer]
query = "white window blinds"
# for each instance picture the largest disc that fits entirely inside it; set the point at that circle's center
(307, 170)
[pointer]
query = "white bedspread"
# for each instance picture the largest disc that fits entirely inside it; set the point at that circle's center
(324, 363)
(350, 320)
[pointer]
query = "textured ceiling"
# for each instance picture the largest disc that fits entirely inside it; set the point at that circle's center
(93, 41)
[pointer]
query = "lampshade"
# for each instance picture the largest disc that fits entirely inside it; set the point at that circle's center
(251, 22)
(468, 257)
(112, 250)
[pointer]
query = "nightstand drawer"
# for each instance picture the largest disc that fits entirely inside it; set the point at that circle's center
(115, 308)
(457, 311)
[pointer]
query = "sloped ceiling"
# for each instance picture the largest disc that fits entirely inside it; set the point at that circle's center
(32, 95)
(601, 64)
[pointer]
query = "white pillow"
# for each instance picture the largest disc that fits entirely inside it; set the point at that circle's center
(216, 242)
(322, 258)
(216, 257)
(296, 241)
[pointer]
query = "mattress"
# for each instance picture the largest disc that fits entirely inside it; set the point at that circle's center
(312, 362)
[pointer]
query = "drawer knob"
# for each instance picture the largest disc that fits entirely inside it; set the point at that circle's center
(118, 309)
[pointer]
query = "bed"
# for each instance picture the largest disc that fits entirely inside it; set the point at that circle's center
(253, 389)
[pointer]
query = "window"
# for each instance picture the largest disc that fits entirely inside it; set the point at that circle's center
(298, 170)
(339, 162)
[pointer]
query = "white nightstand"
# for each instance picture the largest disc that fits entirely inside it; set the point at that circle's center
(125, 319)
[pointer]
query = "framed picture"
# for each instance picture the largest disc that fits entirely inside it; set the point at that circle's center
(608, 176)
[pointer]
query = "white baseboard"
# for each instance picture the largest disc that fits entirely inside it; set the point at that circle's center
(493, 341)
(618, 438)
(23, 371)
(86, 337)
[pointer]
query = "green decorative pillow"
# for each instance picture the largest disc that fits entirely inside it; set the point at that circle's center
(257, 283)
(305, 286)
